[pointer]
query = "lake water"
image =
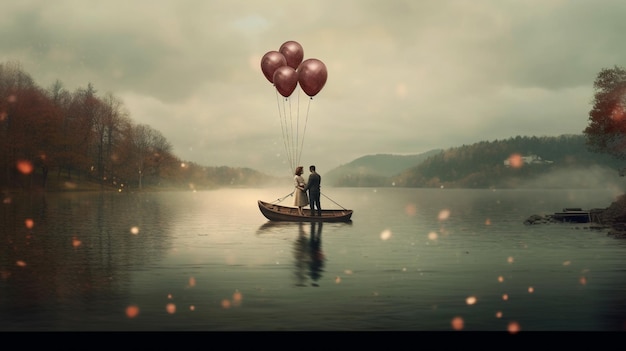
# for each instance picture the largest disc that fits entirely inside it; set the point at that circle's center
(410, 260)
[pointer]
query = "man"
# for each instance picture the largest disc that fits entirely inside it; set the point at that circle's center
(313, 186)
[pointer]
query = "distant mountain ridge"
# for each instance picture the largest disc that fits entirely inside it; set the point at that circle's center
(372, 167)
(485, 164)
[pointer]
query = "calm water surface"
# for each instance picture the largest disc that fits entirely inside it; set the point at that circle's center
(411, 259)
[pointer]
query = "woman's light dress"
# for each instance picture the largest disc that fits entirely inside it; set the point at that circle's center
(301, 199)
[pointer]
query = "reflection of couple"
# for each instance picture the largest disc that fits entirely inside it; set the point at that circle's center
(309, 255)
(313, 186)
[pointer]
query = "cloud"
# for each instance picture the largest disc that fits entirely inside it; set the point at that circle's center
(404, 76)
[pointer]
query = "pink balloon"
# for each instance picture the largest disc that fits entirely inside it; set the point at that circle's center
(293, 53)
(270, 62)
(285, 80)
(312, 75)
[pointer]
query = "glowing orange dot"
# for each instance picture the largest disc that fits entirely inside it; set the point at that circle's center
(510, 259)
(237, 298)
(24, 166)
(516, 161)
(76, 242)
(170, 308)
(499, 314)
(513, 327)
(134, 230)
(132, 311)
(192, 308)
(487, 221)
(457, 323)
(500, 279)
(29, 223)
(505, 297)
(20, 263)
(582, 281)
(471, 300)
(337, 280)
(169, 296)
(531, 289)
(226, 303)
(192, 282)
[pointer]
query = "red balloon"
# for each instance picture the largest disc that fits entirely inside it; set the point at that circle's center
(293, 53)
(285, 80)
(270, 62)
(312, 75)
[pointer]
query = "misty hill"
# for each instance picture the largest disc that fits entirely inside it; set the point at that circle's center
(562, 161)
(373, 169)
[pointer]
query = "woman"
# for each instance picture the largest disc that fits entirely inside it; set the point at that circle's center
(301, 199)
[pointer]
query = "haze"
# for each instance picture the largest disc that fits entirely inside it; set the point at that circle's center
(404, 77)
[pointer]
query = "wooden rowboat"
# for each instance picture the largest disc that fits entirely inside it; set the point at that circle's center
(275, 212)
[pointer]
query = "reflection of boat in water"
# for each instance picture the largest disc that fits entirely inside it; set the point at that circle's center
(275, 212)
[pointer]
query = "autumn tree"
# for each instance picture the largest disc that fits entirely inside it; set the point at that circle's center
(606, 132)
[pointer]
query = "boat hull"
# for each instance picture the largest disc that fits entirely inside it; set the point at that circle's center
(275, 212)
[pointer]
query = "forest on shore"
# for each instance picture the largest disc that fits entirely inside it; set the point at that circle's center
(55, 139)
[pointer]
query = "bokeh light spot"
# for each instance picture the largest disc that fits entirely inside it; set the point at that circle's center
(471, 300)
(505, 297)
(513, 327)
(170, 308)
(443, 215)
(457, 323)
(29, 223)
(510, 259)
(75, 242)
(24, 166)
(516, 161)
(432, 236)
(385, 234)
(192, 282)
(226, 304)
(499, 314)
(500, 279)
(134, 230)
(20, 263)
(337, 280)
(237, 298)
(132, 311)
(531, 290)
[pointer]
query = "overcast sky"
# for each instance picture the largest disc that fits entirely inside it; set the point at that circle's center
(404, 77)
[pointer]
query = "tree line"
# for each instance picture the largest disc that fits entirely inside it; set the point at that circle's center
(74, 136)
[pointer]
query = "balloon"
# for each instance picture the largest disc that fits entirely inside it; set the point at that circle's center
(285, 80)
(270, 62)
(293, 53)
(312, 75)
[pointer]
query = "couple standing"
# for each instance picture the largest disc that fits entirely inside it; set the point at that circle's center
(313, 186)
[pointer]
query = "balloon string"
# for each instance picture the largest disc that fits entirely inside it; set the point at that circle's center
(298, 129)
(306, 122)
(283, 126)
